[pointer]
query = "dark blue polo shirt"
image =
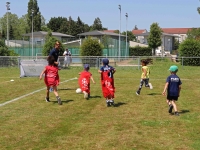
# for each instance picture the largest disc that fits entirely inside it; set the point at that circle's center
(54, 53)
(173, 87)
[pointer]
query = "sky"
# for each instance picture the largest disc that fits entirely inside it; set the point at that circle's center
(142, 13)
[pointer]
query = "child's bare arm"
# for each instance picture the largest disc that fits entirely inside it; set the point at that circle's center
(42, 73)
(179, 90)
(92, 79)
(165, 88)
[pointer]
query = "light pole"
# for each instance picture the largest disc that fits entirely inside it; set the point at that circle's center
(32, 11)
(126, 31)
(119, 29)
(8, 8)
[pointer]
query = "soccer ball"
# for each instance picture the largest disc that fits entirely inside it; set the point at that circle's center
(78, 90)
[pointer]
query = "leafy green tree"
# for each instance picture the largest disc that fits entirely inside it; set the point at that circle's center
(194, 34)
(91, 47)
(86, 28)
(50, 43)
(190, 48)
(56, 24)
(154, 38)
(72, 27)
(97, 25)
(3, 49)
(11, 36)
(130, 36)
(33, 5)
(176, 44)
(79, 26)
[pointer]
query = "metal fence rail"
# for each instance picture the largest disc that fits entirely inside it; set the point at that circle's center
(96, 61)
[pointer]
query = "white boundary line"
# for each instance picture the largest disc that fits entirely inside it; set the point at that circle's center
(10, 101)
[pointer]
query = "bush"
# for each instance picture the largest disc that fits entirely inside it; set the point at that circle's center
(190, 48)
(91, 47)
(140, 51)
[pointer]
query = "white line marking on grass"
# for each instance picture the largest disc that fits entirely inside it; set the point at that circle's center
(10, 101)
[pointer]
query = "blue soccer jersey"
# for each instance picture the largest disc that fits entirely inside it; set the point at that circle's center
(173, 87)
(54, 53)
(108, 68)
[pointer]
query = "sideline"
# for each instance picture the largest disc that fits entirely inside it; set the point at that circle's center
(10, 101)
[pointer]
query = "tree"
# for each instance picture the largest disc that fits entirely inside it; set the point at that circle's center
(130, 36)
(79, 26)
(11, 36)
(116, 31)
(50, 43)
(97, 25)
(33, 6)
(72, 27)
(194, 34)
(135, 28)
(58, 24)
(154, 38)
(91, 47)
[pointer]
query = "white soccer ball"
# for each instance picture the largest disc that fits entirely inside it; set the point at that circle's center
(78, 90)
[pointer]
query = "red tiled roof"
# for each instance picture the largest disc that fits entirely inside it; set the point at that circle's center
(176, 30)
(136, 32)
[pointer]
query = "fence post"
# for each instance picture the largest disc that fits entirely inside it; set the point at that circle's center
(139, 63)
(182, 62)
(19, 60)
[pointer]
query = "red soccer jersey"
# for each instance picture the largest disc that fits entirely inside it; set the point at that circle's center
(51, 76)
(84, 81)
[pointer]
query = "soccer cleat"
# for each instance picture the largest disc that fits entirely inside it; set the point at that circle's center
(176, 113)
(85, 95)
(170, 108)
(108, 103)
(59, 101)
(47, 99)
(138, 93)
(150, 86)
(112, 102)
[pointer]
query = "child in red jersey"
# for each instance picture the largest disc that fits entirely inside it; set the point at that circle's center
(107, 82)
(84, 81)
(51, 78)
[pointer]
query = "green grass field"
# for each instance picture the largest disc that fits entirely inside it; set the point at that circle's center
(136, 123)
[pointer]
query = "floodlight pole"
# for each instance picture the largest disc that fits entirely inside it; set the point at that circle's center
(8, 8)
(126, 31)
(119, 30)
(32, 11)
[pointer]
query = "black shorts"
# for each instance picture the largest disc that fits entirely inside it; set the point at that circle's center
(172, 98)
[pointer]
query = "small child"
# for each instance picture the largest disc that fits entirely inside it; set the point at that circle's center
(84, 81)
(173, 87)
(51, 78)
(145, 75)
(107, 81)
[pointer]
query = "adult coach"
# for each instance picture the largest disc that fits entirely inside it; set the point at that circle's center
(55, 52)
(68, 58)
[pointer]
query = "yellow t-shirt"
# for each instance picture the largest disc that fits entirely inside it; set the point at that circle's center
(147, 74)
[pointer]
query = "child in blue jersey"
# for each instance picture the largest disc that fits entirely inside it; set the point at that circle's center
(107, 81)
(173, 88)
(145, 75)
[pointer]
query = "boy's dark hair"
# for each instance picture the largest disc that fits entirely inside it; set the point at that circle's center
(105, 61)
(147, 61)
(50, 60)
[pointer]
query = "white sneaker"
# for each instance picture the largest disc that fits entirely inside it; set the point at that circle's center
(85, 94)
(150, 86)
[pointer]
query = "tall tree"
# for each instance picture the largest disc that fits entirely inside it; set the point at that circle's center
(97, 25)
(154, 38)
(194, 34)
(135, 28)
(72, 27)
(130, 36)
(33, 11)
(11, 36)
(55, 23)
(79, 26)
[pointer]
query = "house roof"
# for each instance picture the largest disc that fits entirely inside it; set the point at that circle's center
(92, 33)
(163, 34)
(43, 33)
(137, 32)
(176, 30)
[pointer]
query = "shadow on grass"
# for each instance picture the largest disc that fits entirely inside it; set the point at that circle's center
(65, 89)
(154, 94)
(119, 104)
(96, 96)
(63, 101)
(183, 111)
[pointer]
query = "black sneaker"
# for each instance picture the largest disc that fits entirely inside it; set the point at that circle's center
(59, 101)
(176, 114)
(170, 108)
(47, 99)
(138, 93)
(108, 103)
(112, 102)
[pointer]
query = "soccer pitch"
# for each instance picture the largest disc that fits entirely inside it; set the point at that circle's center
(137, 122)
